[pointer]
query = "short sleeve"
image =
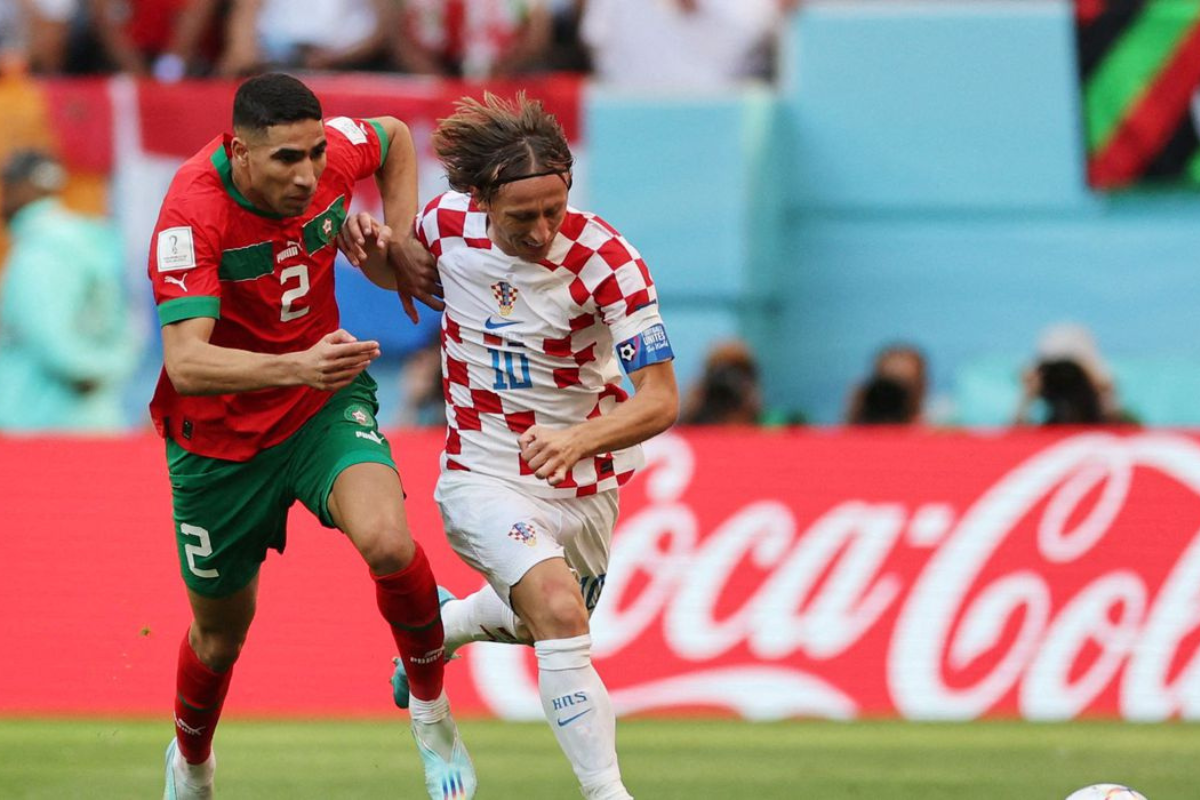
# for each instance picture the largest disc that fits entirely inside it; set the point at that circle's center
(184, 265)
(625, 294)
(627, 302)
(367, 145)
(446, 217)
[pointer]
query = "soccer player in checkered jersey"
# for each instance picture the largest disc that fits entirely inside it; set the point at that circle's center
(541, 303)
(264, 399)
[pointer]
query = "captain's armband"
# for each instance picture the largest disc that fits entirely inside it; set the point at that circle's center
(651, 346)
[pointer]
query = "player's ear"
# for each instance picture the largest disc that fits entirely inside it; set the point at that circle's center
(239, 151)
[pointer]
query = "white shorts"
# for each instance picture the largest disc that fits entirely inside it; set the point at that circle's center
(503, 532)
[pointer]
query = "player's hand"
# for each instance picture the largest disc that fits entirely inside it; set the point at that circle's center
(416, 276)
(336, 360)
(550, 452)
(361, 236)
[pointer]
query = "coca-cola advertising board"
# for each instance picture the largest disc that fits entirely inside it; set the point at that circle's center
(831, 574)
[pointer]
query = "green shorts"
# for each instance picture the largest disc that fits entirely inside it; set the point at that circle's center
(229, 513)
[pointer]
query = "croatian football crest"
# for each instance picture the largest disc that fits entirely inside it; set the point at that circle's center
(523, 532)
(506, 296)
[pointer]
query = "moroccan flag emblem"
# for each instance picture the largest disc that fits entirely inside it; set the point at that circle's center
(361, 415)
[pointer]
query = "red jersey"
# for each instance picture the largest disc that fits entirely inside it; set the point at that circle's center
(266, 279)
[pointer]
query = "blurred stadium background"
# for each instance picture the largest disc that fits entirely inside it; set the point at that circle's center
(959, 174)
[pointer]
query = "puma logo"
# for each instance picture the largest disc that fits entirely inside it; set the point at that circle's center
(179, 281)
(188, 729)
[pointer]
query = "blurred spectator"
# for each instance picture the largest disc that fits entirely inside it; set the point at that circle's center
(67, 336)
(34, 34)
(169, 39)
(895, 391)
(422, 402)
(567, 53)
(728, 392)
(883, 401)
(472, 38)
(306, 34)
(1069, 395)
(681, 44)
(1070, 383)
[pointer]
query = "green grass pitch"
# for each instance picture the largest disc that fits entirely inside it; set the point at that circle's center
(661, 759)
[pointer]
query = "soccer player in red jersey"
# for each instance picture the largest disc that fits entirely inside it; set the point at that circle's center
(265, 400)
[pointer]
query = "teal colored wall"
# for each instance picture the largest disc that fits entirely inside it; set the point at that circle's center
(680, 179)
(919, 175)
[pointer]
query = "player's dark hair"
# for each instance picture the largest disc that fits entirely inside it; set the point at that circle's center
(273, 99)
(485, 145)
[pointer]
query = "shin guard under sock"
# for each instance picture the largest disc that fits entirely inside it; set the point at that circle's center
(408, 601)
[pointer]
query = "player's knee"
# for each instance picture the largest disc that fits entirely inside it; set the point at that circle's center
(218, 649)
(563, 615)
(387, 549)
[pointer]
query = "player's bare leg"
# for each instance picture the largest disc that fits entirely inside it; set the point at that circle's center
(575, 700)
(367, 503)
(205, 668)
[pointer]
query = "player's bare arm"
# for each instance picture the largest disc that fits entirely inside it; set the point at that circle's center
(196, 366)
(654, 407)
(366, 243)
(413, 266)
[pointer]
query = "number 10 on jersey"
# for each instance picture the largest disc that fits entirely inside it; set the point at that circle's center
(512, 370)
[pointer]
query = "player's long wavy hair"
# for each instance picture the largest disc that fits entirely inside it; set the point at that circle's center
(484, 145)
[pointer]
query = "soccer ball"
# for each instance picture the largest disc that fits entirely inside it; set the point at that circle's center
(1107, 791)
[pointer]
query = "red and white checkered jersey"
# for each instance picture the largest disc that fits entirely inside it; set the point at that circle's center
(528, 344)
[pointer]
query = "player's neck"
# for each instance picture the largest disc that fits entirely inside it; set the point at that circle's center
(241, 182)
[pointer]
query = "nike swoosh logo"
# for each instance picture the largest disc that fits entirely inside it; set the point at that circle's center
(564, 722)
(492, 324)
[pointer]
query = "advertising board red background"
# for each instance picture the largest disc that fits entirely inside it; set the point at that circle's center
(757, 574)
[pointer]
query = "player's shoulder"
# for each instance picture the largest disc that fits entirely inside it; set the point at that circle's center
(348, 131)
(587, 227)
(446, 217)
(452, 201)
(348, 143)
(198, 190)
(347, 139)
(594, 243)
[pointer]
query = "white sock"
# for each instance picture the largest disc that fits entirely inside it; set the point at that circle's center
(482, 617)
(432, 723)
(429, 712)
(580, 713)
(195, 775)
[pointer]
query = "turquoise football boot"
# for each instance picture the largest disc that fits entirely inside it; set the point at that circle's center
(181, 790)
(446, 778)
